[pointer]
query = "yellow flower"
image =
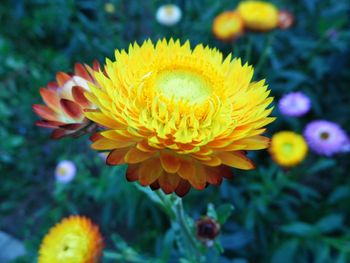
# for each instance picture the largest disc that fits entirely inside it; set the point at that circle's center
(258, 15)
(74, 240)
(178, 116)
(288, 148)
(227, 25)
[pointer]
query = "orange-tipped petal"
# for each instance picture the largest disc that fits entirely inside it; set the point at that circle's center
(170, 162)
(44, 112)
(144, 146)
(236, 159)
(168, 182)
(155, 185)
(71, 108)
(199, 179)
(79, 97)
(62, 78)
(183, 188)
(95, 137)
(82, 72)
(58, 133)
(48, 124)
(150, 171)
(214, 175)
(136, 156)
(116, 157)
(187, 169)
(132, 173)
(71, 126)
(213, 161)
(50, 97)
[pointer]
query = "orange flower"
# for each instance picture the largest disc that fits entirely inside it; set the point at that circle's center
(177, 116)
(65, 102)
(75, 239)
(228, 26)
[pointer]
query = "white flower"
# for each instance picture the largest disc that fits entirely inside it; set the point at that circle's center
(65, 171)
(168, 15)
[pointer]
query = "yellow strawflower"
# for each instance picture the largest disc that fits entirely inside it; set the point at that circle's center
(258, 15)
(74, 240)
(178, 116)
(288, 148)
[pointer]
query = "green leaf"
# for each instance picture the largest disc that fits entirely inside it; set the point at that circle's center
(223, 213)
(211, 211)
(321, 165)
(330, 223)
(300, 229)
(286, 252)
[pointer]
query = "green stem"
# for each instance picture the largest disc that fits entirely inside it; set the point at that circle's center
(186, 232)
(264, 55)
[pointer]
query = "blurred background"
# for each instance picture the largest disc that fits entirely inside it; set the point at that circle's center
(280, 215)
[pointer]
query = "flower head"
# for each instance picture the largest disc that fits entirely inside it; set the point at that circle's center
(168, 15)
(326, 138)
(294, 104)
(288, 148)
(65, 102)
(207, 229)
(74, 239)
(178, 116)
(65, 171)
(227, 25)
(285, 19)
(258, 15)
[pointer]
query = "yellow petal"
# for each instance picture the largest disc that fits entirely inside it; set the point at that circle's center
(236, 159)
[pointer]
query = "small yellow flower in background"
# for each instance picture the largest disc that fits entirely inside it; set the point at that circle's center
(178, 116)
(288, 148)
(109, 8)
(227, 25)
(73, 240)
(168, 15)
(258, 15)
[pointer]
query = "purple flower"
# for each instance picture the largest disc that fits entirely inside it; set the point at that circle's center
(294, 104)
(326, 138)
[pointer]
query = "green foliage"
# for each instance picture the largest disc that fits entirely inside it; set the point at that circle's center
(298, 215)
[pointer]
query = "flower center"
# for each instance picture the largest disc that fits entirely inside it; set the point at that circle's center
(324, 135)
(182, 85)
(169, 10)
(62, 171)
(287, 148)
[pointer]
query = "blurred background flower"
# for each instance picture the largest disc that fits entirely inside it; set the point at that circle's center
(258, 15)
(227, 26)
(294, 104)
(168, 15)
(326, 137)
(74, 239)
(65, 171)
(288, 148)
